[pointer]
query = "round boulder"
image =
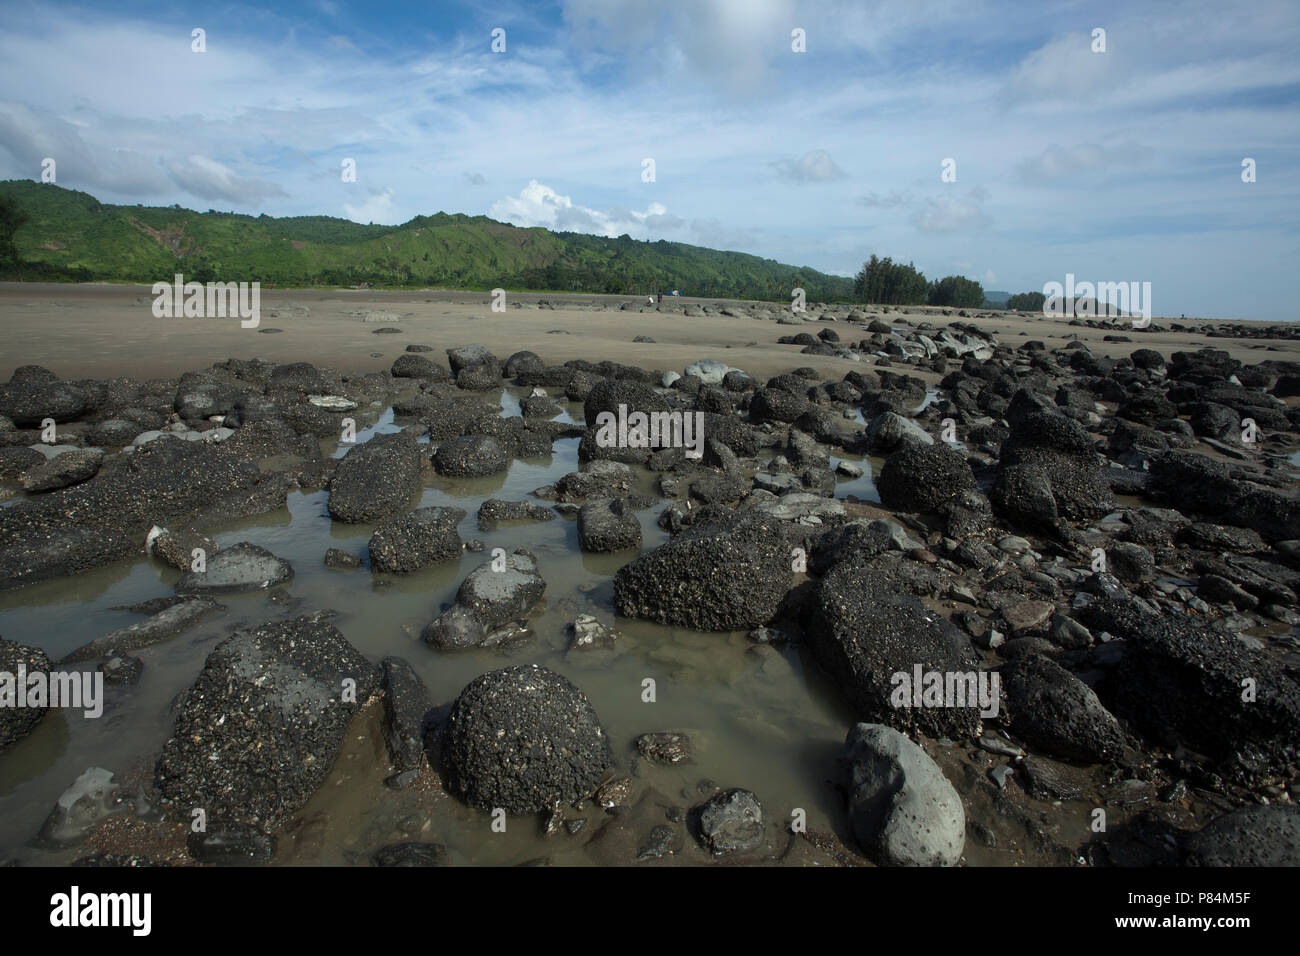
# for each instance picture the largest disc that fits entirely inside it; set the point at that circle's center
(471, 456)
(921, 478)
(521, 739)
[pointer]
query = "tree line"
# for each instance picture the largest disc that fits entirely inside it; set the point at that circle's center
(886, 282)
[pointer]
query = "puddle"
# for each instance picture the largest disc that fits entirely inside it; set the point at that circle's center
(757, 718)
(761, 718)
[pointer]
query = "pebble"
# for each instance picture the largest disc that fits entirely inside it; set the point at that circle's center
(1000, 774)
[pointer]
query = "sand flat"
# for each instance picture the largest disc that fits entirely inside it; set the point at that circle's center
(100, 330)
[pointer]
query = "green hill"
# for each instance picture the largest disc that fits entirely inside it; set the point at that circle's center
(72, 236)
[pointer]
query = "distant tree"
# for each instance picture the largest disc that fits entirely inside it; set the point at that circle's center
(12, 218)
(884, 282)
(1027, 302)
(956, 291)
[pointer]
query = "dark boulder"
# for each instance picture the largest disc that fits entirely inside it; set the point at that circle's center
(412, 541)
(1054, 712)
(922, 478)
(17, 722)
(259, 730)
(492, 595)
(376, 480)
(711, 578)
(863, 632)
(471, 456)
(523, 739)
(608, 525)
(1181, 683)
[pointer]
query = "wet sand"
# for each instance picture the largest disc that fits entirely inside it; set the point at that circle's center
(100, 330)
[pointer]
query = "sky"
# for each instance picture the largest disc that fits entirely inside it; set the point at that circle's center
(991, 140)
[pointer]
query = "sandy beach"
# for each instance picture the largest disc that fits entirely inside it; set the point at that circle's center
(103, 330)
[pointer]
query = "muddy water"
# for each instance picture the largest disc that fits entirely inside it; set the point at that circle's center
(757, 717)
(760, 718)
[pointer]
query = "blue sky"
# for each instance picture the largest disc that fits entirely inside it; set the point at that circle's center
(1116, 166)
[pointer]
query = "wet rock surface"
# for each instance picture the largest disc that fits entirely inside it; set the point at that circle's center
(1093, 532)
(259, 730)
(407, 707)
(608, 525)
(17, 722)
(862, 633)
(522, 739)
(904, 810)
(240, 567)
(163, 626)
(731, 823)
(495, 593)
(413, 541)
(376, 480)
(69, 468)
(709, 578)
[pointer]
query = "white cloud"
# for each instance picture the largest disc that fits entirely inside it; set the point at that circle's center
(378, 208)
(877, 201)
(731, 41)
(209, 179)
(540, 205)
(30, 136)
(950, 214)
(812, 167)
(1065, 162)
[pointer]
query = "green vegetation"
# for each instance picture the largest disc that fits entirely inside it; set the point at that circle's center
(958, 292)
(1027, 302)
(885, 282)
(12, 218)
(72, 236)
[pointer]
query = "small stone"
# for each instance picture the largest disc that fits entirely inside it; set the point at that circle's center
(231, 843)
(1027, 615)
(664, 748)
(661, 840)
(999, 775)
(996, 745)
(615, 793)
(589, 632)
(731, 823)
(341, 560)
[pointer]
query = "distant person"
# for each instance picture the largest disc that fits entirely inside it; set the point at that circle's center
(661, 298)
(649, 300)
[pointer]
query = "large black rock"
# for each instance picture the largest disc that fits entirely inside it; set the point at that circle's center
(261, 726)
(521, 739)
(1181, 684)
(376, 480)
(863, 631)
(711, 578)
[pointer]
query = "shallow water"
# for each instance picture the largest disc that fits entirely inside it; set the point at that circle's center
(758, 718)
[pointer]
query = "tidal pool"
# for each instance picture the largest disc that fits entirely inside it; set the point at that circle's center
(759, 717)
